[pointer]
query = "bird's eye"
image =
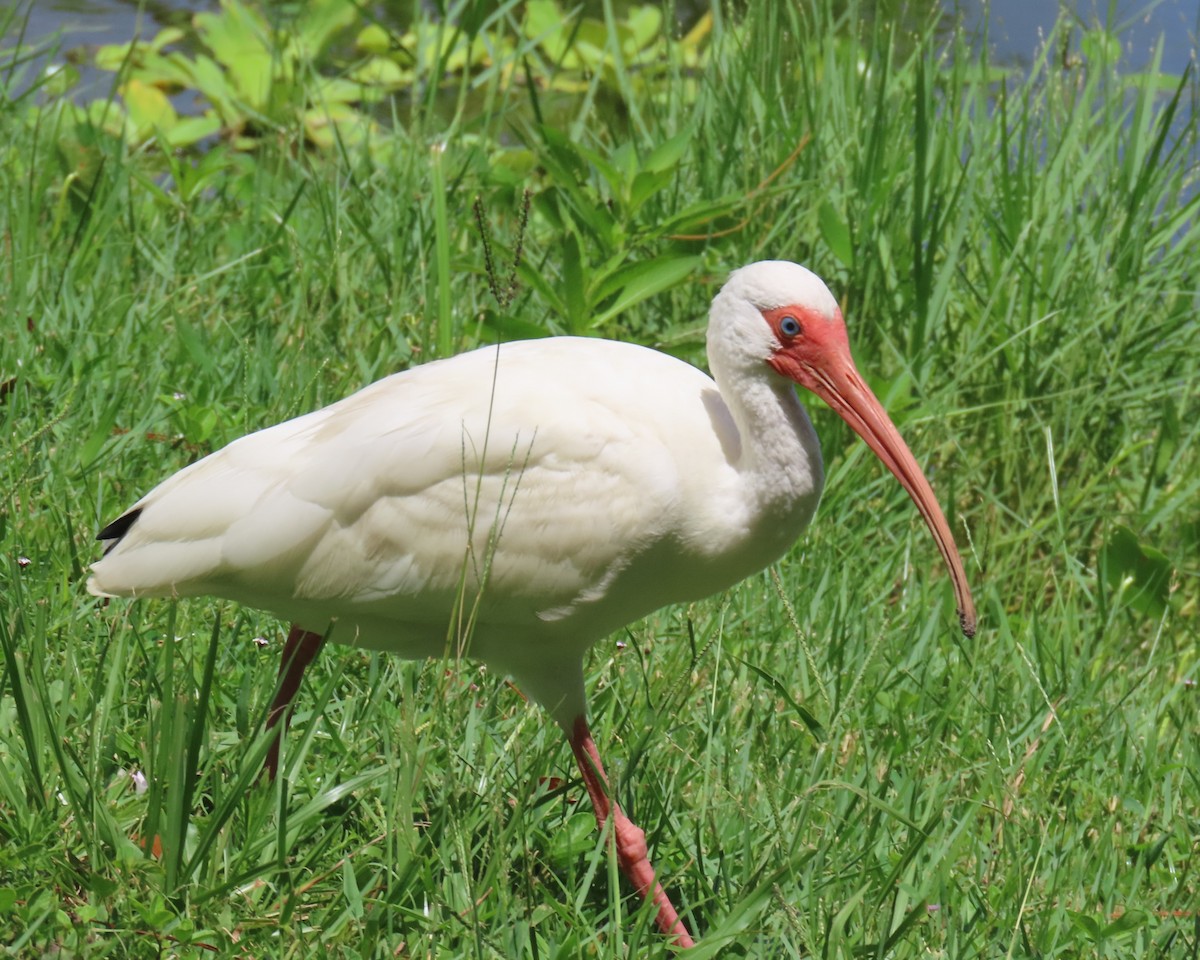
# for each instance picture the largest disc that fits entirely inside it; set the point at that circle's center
(789, 327)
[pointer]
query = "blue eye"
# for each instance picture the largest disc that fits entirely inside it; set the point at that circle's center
(789, 327)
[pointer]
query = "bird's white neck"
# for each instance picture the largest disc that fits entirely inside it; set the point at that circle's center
(780, 461)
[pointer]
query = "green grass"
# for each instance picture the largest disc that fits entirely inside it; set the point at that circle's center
(822, 765)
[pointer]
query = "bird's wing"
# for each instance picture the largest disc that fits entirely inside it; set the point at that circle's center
(536, 473)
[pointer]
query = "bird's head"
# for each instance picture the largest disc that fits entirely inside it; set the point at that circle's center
(781, 315)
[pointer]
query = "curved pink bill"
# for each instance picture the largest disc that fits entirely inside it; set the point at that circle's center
(827, 369)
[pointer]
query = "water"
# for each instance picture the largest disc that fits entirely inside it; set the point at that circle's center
(88, 23)
(1018, 27)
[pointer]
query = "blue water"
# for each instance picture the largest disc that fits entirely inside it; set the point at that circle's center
(86, 23)
(1014, 30)
(1017, 27)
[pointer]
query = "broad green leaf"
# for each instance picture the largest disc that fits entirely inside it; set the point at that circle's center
(1126, 923)
(836, 234)
(587, 210)
(453, 51)
(637, 281)
(101, 432)
(172, 69)
(381, 72)
(108, 116)
(589, 49)
(695, 218)
(810, 722)
(734, 927)
(149, 109)
(536, 280)
(1154, 81)
(329, 122)
(374, 39)
(165, 37)
(574, 284)
(239, 40)
(252, 79)
(350, 890)
(986, 74)
(572, 83)
(1086, 924)
(1140, 574)
(337, 90)
(568, 154)
(571, 841)
(194, 345)
(503, 326)
(545, 25)
(641, 29)
(191, 130)
(549, 208)
(542, 16)
(609, 171)
(199, 424)
(645, 185)
(102, 886)
(320, 22)
(210, 81)
(625, 160)
(1168, 438)
(666, 155)
(112, 56)
(511, 167)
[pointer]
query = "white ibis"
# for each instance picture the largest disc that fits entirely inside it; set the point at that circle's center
(520, 502)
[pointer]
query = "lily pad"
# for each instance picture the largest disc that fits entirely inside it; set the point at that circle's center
(149, 109)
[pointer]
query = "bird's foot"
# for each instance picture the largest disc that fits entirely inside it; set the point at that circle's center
(630, 842)
(628, 839)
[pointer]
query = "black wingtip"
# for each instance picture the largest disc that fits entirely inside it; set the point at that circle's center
(118, 528)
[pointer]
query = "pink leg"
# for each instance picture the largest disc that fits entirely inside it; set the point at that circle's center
(299, 650)
(630, 841)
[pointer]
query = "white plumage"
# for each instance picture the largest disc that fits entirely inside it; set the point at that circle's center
(519, 502)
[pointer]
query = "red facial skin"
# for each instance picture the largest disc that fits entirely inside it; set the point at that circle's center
(818, 358)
